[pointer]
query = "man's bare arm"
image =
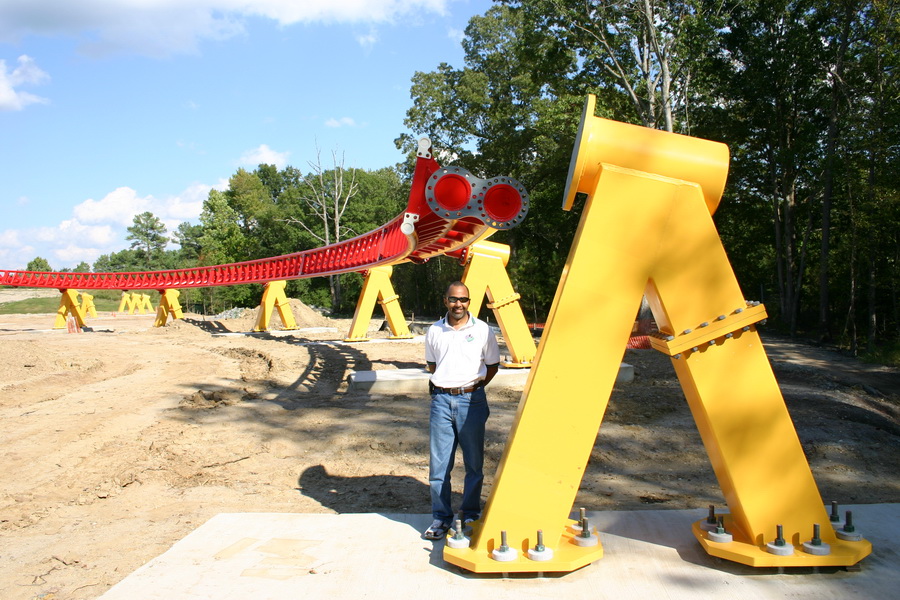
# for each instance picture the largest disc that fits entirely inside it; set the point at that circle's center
(491, 371)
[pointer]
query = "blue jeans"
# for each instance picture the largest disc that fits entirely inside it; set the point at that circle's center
(457, 421)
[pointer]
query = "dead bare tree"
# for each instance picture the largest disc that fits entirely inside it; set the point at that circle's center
(327, 193)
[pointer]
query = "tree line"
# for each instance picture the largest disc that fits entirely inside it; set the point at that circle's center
(803, 92)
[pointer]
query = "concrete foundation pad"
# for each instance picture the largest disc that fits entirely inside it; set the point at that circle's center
(412, 381)
(647, 554)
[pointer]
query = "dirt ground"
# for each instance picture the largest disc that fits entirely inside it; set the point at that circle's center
(118, 442)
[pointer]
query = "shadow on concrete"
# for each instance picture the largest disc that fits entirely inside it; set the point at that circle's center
(362, 494)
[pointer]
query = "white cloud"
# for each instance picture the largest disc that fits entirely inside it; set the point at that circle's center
(27, 73)
(368, 40)
(263, 155)
(342, 122)
(10, 239)
(167, 27)
(119, 207)
(186, 206)
(70, 243)
(75, 230)
(457, 35)
(62, 256)
(99, 226)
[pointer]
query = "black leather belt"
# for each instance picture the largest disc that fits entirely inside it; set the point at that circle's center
(457, 391)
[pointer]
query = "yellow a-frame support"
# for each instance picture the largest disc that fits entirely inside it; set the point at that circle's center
(87, 305)
(377, 287)
(134, 301)
(68, 305)
(647, 229)
(127, 303)
(144, 305)
(485, 275)
(274, 297)
(168, 305)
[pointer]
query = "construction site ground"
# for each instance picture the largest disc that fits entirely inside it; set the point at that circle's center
(120, 441)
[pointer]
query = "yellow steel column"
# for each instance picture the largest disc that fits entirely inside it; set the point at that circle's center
(144, 304)
(87, 305)
(168, 305)
(68, 305)
(485, 274)
(377, 287)
(274, 297)
(647, 228)
(735, 399)
(567, 392)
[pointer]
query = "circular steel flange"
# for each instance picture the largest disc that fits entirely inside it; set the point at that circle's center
(453, 193)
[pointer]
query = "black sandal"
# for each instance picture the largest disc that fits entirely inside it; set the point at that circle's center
(436, 531)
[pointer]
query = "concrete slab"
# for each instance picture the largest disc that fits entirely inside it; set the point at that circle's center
(648, 554)
(277, 332)
(411, 381)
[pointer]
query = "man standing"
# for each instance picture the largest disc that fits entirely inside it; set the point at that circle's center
(462, 356)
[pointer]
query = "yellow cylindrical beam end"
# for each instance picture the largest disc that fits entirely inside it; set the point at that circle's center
(601, 141)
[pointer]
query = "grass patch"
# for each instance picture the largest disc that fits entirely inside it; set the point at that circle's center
(887, 354)
(104, 301)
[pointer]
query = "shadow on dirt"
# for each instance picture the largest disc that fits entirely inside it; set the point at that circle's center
(367, 493)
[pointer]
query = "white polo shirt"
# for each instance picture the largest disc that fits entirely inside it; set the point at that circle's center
(460, 355)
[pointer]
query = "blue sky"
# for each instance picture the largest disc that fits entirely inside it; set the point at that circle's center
(109, 108)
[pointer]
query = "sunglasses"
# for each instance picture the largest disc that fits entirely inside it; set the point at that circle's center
(454, 299)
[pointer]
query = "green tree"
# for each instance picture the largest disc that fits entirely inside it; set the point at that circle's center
(247, 197)
(38, 264)
(128, 260)
(188, 238)
(863, 277)
(644, 50)
(222, 242)
(511, 110)
(148, 237)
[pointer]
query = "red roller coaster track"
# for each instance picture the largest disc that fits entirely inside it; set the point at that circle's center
(448, 209)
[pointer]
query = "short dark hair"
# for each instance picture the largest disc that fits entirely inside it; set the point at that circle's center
(455, 284)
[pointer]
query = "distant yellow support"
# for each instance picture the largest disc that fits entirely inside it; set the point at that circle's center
(647, 229)
(275, 297)
(69, 306)
(135, 302)
(485, 275)
(144, 305)
(377, 287)
(87, 305)
(168, 306)
(128, 303)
